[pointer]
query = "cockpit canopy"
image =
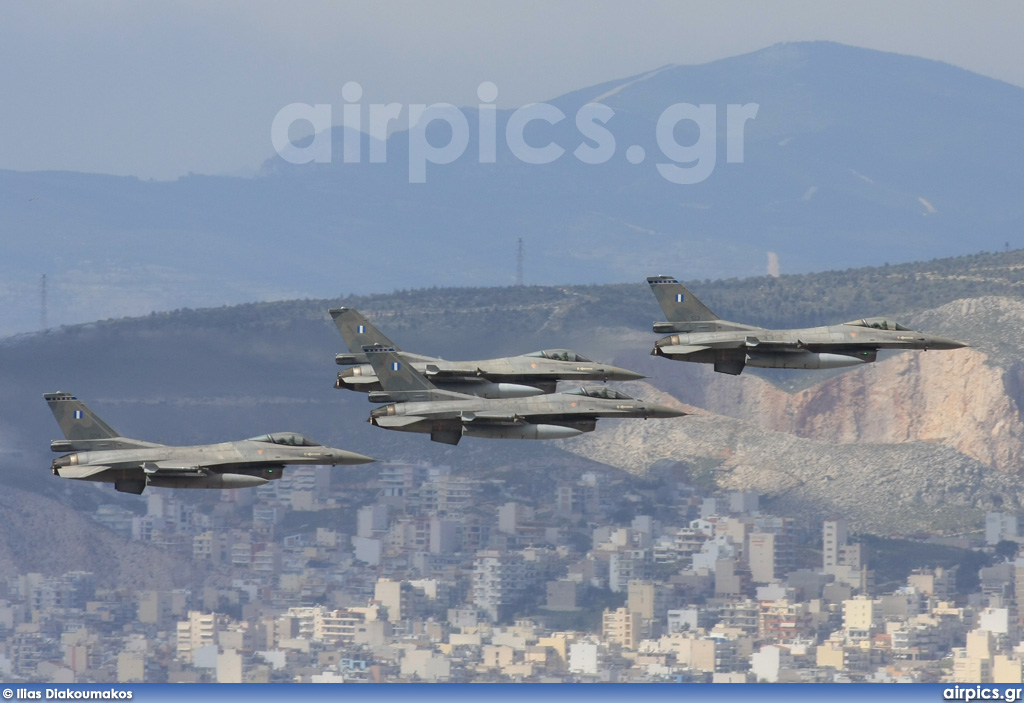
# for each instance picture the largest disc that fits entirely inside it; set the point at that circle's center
(288, 439)
(559, 355)
(601, 392)
(879, 323)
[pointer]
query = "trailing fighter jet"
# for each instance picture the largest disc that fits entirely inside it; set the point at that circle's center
(417, 405)
(510, 377)
(704, 338)
(101, 454)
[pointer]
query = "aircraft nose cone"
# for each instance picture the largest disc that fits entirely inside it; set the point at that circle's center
(345, 457)
(663, 411)
(945, 343)
(617, 374)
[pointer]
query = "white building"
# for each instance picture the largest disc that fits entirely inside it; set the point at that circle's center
(500, 582)
(584, 658)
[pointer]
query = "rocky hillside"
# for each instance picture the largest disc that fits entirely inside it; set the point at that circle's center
(880, 488)
(43, 535)
(917, 440)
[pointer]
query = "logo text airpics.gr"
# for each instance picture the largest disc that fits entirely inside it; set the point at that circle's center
(679, 161)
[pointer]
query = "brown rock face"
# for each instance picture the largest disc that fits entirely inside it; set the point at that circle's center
(917, 441)
(882, 488)
(956, 398)
(967, 399)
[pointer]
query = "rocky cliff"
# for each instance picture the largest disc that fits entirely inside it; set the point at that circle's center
(916, 440)
(967, 399)
(880, 488)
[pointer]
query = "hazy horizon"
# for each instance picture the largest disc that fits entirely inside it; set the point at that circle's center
(208, 80)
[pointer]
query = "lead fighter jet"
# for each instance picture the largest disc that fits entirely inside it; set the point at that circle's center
(510, 377)
(101, 454)
(417, 405)
(704, 338)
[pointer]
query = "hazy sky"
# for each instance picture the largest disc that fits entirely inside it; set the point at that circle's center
(157, 90)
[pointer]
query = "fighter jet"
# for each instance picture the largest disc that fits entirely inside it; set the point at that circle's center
(101, 454)
(704, 338)
(510, 377)
(417, 405)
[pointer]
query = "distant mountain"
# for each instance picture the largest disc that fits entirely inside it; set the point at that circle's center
(919, 440)
(855, 158)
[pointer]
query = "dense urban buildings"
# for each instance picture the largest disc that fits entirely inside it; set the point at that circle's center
(412, 572)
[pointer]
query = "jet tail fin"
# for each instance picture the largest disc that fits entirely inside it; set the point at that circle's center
(393, 372)
(357, 331)
(678, 304)
(75, 419)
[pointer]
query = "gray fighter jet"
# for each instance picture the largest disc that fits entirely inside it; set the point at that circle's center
(509, 377)
(101, 454)
(704, 338)
(417, 405)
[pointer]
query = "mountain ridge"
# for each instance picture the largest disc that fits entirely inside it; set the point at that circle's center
(855, 157)
(228, 373)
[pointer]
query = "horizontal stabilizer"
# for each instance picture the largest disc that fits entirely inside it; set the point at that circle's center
(80, 472)
(681, 349)
(397, 420)
(354, 382)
